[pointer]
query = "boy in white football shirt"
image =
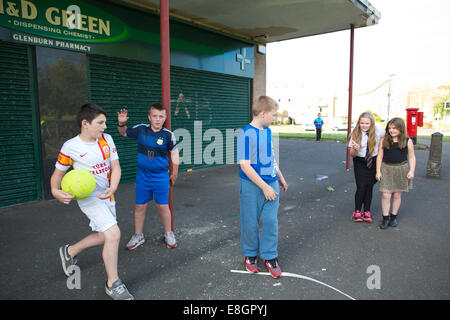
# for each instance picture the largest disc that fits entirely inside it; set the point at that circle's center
(95, 151)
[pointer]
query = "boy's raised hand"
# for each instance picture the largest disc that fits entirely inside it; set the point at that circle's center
(122, 116)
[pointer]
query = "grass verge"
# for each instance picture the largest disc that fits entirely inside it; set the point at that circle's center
(331, 136)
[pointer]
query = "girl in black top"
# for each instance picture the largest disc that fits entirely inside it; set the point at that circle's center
(396, 163)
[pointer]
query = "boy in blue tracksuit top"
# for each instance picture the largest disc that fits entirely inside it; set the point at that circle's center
(318, 123)
(260, 183)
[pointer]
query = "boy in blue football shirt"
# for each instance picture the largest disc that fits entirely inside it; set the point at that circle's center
(260, 183)
(152, 177)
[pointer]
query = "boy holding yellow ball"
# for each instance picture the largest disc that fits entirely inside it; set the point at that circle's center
(95, 151)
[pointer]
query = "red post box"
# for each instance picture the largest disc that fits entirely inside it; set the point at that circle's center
(414, 119)
(420, 119)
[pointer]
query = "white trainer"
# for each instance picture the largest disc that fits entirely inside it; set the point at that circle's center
(170, 239)
(135, 241)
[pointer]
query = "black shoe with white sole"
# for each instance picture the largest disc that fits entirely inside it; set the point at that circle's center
(66, 259)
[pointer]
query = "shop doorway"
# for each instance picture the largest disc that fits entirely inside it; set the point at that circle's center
(62, 89)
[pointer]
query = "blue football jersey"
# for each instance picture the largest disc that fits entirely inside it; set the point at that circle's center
(153, 148)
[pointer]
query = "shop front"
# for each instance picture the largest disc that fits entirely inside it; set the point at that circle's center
(56, 56)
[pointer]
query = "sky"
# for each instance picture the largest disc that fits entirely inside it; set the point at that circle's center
(411, 41)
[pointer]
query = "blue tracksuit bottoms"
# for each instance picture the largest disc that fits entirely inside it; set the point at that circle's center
(255, 207)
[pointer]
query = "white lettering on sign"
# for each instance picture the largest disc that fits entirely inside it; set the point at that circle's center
(72, 18)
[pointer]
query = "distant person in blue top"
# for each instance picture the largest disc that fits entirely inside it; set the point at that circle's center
(260, 184)
(318, 123)
(152, 177)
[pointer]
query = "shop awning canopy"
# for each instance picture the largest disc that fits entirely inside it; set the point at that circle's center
(265, 21)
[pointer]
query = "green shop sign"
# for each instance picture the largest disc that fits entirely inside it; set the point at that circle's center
(107, 29)
(62, 20)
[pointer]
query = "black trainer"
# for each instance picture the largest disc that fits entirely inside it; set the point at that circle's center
(66, 259)
(118, 291)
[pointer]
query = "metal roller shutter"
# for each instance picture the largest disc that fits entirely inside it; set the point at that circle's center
(220, 102)
(19, 163)
(117, 84)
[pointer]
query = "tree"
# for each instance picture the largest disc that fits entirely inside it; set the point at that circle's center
(284, 114)
(438, 106)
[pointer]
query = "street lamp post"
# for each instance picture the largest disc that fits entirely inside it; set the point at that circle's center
(389, 97)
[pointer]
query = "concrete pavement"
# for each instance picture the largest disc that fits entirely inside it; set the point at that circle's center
(317, 239)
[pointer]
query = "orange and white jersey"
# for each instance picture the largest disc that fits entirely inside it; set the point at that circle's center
(94, 157)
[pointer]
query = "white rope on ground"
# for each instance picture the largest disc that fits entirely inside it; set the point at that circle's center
(293, 275)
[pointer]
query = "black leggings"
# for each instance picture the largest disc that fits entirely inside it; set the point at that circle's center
(363, 195)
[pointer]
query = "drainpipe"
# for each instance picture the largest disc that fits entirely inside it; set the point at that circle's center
(350, 93)
(165, 79)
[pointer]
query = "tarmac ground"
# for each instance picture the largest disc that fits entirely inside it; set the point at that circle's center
(323, 254)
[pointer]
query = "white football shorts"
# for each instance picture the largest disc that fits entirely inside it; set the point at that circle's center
(101, 213)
